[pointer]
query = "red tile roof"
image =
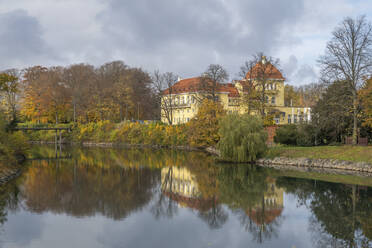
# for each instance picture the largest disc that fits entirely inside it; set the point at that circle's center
(194, 85)
(271, 72)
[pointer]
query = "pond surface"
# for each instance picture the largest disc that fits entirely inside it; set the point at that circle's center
(139, 198)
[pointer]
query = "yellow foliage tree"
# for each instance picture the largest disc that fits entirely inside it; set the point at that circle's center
(203, 128)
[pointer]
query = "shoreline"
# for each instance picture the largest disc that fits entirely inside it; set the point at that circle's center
(325, 165)
(9, 174)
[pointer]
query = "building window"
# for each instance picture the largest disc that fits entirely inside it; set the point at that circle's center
(294, 118)
(273, 100)
(193, 99)
(277, 119)
(188, 119)
(266, 99)
(289, 119)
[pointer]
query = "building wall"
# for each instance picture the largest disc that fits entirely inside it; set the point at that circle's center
(186, 105)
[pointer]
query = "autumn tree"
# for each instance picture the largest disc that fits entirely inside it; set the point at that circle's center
(348, 57)
(203, 128)
(78, 79)
(161, 82)
(9, 88)
(210, 81)
(32, 92)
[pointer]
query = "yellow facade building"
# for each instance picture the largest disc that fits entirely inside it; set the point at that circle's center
(180, 102)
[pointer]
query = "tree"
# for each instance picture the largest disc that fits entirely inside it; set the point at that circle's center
(46, 96)
(348, 57)
(161, 82)
(333, 113)
(78, 78)
(259, 73)
(211, 79)
(365, 95)
(242, 138)
(291, 96)
(9, 86)
(203, 128)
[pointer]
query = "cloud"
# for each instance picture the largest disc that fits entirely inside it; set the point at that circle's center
(305, 74)
(290, 66)
(186, 36)
(21, 40)
(171, 35)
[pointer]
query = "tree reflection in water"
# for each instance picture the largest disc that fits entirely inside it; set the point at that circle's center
(116, 183)
(340, 213)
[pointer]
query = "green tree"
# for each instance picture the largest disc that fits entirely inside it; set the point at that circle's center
(243, 138)
(333, 113)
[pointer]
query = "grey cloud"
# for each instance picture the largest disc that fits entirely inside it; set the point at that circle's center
(186, 36)
(290, 66)
(21, 40)
(305, 74)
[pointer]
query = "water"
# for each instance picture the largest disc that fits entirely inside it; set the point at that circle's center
(139, 198)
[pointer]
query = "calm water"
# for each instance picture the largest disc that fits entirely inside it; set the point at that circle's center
(137, 198)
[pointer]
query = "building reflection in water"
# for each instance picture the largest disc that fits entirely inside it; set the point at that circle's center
(180, 185)
(271, 207)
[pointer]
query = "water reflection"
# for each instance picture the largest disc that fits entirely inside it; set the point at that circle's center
(118, 184)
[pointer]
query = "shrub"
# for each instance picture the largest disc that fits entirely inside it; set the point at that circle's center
(300, 135)
(243, 138)
(305, 135)
(11, 144)
(286, 135)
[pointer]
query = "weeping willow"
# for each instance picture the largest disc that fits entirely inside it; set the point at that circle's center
(243, 138)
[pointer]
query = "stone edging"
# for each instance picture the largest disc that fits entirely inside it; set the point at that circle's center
(330, 164)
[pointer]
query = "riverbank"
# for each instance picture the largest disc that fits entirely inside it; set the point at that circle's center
(8, 172)
(331, 165)
(346, 153)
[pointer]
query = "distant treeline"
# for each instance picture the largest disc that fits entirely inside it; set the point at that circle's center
(84, 93)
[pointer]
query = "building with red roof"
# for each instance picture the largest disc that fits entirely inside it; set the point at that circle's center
(180, 102)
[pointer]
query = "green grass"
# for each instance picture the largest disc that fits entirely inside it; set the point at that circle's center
(348, 153)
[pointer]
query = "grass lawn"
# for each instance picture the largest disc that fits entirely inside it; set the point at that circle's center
(348, 153)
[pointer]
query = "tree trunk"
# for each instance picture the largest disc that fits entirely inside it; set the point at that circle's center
(355, 117)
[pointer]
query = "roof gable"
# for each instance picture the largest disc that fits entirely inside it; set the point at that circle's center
(268, 70)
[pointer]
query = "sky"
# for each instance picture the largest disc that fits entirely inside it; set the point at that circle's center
(180, 36)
